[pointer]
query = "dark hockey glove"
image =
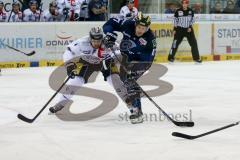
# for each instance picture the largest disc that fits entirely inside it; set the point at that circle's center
(76, 16)
(65, 11)
(110, 39)
(73, 69)
(106, 66)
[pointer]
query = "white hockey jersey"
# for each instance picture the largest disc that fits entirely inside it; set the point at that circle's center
(15, 17)
(29, 16)
(74, 7)
(3, 16)
(48, 17)
(125, 11)
(83, 49)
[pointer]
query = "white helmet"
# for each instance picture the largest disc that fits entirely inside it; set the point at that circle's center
(96, 33)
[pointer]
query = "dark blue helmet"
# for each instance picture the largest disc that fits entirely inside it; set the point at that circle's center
(33, 2)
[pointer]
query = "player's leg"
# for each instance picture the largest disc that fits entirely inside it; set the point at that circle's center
(136, 70)
(194, 47)
(65, 98)
(178, 37)
(72, 87)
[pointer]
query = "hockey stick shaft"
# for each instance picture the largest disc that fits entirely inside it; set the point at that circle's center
(27, 54)
(32, 120)
(186, 124)
(181, 135)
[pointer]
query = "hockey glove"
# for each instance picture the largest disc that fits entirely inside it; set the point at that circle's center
(106, 66)
(73, 69)
(109, 39)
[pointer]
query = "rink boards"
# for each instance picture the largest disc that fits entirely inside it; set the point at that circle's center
(158, 59)
(216, 41)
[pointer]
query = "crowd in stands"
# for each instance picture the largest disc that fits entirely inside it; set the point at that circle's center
(94, 10)
(58, 11)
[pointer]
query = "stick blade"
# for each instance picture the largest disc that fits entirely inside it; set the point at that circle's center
(181, 135)
(25, 119)
(31, 53)
(184, 124)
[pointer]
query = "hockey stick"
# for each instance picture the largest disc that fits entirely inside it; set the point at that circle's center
(181, 135)
(25, 119)
(27, 54)
(181, 124)
(10, 15)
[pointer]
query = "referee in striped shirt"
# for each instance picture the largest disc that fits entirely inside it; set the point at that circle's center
(183, 21)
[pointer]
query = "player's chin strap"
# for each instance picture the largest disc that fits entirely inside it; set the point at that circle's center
(181, 124)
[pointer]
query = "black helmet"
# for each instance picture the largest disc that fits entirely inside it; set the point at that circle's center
(52, 4)
(16, 3)
(130, 1)
(33, 2)
(143, 20)
(96, 33)
(1, 3)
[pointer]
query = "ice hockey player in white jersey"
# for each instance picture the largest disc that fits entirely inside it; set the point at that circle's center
(70, 9)
(15, 15)
(52, 14)
(85, 56)
(3, 14)
(32, 14)
(129, 11)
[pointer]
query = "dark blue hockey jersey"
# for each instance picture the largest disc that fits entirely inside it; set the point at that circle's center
(141, 49)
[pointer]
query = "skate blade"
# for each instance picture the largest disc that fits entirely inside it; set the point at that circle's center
(136, 121)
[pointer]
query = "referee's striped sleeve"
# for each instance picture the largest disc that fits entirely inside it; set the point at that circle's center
(193, 19)
(175, 19)
(175, 22)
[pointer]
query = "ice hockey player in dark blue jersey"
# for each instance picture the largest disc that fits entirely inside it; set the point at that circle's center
(138, 47)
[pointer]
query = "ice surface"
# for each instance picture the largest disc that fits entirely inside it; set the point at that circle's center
(211, 91)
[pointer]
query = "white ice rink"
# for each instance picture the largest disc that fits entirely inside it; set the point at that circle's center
(211, 91)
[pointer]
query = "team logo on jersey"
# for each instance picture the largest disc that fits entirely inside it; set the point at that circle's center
(143, 42)
(190, 12)
(125, 45)
(180, 13)
(86, 52)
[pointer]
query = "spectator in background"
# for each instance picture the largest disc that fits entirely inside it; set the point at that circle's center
(230, 9)
(32, 14)
(52, 14)
(217, 9)
(171, 8)
(70, 9)
(197, 8)
(237, 6)
(25, 4)
(63, 8)
(84, 16)
(97, 10)
(15, 15)
(129, 11)
(3, 14)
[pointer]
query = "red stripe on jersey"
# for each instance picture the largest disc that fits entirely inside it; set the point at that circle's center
(100, 52)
